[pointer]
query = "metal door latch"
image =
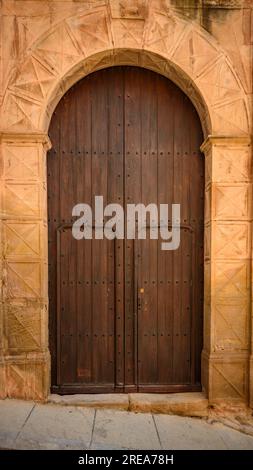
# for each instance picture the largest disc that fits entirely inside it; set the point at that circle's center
(141, 291)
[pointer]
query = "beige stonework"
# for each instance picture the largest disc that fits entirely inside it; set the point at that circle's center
(228, 274)
(46, 47)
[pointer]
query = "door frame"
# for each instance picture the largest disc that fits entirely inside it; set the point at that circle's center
(63, 385)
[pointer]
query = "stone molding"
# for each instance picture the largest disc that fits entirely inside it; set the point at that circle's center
(223, 140)
(13, 137)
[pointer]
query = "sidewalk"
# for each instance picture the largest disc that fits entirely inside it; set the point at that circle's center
(26, 425)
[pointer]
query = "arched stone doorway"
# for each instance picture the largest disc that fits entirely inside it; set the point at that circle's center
(124, 314)
(162, 41)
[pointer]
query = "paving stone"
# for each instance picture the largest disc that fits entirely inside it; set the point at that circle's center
(124, 430)
(234, 440)
(180, 433)
(25, 425)
(55, 427)
(13, 414)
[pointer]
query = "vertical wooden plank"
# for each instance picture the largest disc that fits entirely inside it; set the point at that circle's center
(179, 363)
(185, 247)
(148, 314)
(84, 248)
(99, 252)
(165, 123)
(67, 301)
(132, 188)
(116, 195)
(66, 308)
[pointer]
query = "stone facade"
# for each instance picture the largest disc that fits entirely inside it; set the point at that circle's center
(206, 48)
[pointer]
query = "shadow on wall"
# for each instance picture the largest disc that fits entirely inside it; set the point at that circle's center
(205, 12)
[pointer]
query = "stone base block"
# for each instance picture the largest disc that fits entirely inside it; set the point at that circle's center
(2, 380)
(184, 404)
(28, 377)
(225, 377)
(251, 382)
(117, 401)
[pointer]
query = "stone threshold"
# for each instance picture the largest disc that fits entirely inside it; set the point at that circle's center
(183, 404)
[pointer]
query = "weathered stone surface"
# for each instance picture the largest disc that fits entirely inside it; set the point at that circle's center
(25, 425)
(238, 417)
(13, 415)
(87, 31)
(228, 278)
(251, 382)
(194, 434)
(234, 440)
(24, 326)
(185, 404)
(27, 376)
(122, 430)
(117, 400)
(133, 9)
(56, 428)
(3, 384)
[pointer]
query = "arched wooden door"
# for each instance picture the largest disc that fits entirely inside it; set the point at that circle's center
(125, 315)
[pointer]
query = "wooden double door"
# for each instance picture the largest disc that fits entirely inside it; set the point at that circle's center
(124, 314)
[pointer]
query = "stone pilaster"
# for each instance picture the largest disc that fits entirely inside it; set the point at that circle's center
(251, 331)
(225, 358)
(24, 304)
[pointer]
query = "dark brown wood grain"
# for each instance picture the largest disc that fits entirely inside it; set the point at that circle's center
(132, 136)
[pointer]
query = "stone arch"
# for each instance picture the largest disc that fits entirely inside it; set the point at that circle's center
(96, 38)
